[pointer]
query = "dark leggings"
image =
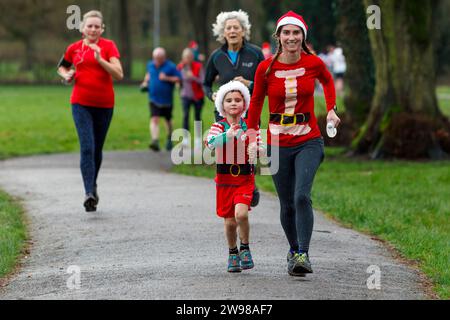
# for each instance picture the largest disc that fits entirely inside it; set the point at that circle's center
(198, 105)
(92, 126)
(297, 167)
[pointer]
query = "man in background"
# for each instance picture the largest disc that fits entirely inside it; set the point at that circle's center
(160, 79)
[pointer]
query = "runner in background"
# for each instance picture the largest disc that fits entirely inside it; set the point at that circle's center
(91, 64)
(160, 79)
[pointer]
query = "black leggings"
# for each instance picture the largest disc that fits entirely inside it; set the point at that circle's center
(293, 174)
(92, 126)
(198, 105)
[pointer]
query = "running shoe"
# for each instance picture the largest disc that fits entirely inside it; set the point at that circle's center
(299, 265)
(90, 203)
(290, 255)
(169, 145)
(234, 263)
(154, 146)
(255, 199)
(97, 198)
(246, 260)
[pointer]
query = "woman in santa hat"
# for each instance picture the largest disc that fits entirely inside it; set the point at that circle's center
(295, 141)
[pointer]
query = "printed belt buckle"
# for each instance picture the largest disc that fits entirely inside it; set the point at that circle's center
(288, 123)
(238, 171)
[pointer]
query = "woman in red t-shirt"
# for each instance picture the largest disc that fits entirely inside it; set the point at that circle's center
(91, 63)
(295, 142)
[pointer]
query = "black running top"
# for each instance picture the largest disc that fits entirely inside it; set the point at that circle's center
(219, 64)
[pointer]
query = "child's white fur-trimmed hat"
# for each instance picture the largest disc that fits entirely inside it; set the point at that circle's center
(231, 86)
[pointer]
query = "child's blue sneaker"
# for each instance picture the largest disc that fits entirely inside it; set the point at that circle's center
(234, 263)
(246, 259)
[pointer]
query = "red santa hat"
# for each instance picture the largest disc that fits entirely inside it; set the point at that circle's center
(292, 18)
(232, 86)
(193, 44)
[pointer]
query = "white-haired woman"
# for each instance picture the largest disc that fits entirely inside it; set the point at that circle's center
(237, 59)
(92, 63)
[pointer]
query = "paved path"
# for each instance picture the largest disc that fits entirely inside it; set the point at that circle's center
(156, 236)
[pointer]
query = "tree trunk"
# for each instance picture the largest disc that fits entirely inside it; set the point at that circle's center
(125, 38)
(405, 77)
(271, 13)
(321, 18)
(360, 76)
(198, 13)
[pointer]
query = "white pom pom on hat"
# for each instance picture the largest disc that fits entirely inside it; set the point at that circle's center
(231, 86)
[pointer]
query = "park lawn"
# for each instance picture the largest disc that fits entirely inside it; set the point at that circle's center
(38, 120)
(444, 99)
(12, 233)
(404, 203)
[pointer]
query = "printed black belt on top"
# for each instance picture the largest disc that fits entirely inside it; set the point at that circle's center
(235, 169)
(285, 119)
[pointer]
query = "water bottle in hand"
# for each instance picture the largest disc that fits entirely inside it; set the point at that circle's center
(331, 129)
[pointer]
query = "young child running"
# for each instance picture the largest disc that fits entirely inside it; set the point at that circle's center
(235, 178)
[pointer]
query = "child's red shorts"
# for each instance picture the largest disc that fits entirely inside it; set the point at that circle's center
(229, 196)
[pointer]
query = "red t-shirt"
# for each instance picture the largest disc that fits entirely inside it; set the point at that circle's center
(290, 88)
(93, 85)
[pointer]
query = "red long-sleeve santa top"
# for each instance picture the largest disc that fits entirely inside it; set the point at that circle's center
(232, 151)
(290, 88)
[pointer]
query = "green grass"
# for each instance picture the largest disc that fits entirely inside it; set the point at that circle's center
(12, 233)
(38, 120)
(444, 99)
(443, 89)
(404, 203)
